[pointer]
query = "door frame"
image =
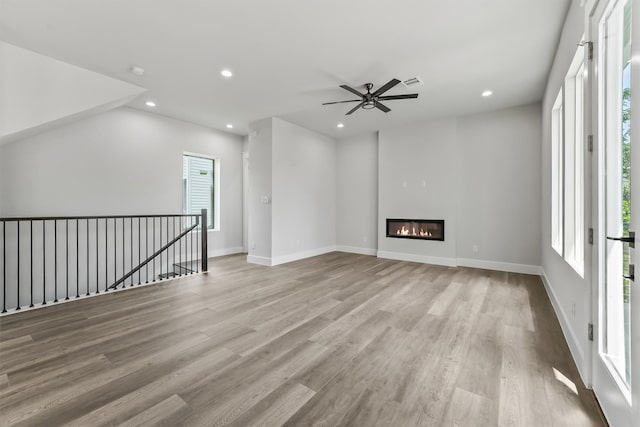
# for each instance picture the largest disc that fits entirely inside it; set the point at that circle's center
(616, 407)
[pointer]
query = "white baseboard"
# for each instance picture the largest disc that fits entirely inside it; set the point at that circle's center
(501, 266)
(225, 251)
(356, 250)
(449, 262)
(260, 260)
(302, 255)
(569, 334)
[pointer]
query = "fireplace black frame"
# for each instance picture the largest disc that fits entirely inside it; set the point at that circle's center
(431, 221)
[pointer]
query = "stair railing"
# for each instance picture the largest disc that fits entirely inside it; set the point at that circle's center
(49, 259)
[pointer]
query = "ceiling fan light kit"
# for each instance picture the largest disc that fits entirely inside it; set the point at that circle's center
(369, 101)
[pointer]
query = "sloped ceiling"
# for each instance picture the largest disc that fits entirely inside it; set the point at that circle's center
(39, 92)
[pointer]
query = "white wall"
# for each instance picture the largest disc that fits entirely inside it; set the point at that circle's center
(304, 192)
(260, 171)
(566, 288)
(357, 194)
(499, 186)
(294, 169)
(417, 179)
(124, 161)
(480, 173)
(38, 91)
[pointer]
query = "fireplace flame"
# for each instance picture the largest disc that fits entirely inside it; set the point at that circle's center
(404, 231)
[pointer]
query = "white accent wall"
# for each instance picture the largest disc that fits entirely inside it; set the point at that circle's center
(417, 179)
(479, 173)
(124, 161)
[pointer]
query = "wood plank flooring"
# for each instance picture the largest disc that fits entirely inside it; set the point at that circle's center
(335, 340)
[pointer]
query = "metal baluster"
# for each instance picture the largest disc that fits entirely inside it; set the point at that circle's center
(139, 251)
(55, 260)
(88, 257)
(106, 256)
(30, 262)
(66, 229)
(198, 239)
(161, 269)
(191, 248)
(154, 249)
(115, 250)
(173, 246)
(146, 247)
(123, 282)
(130, 247)
(44, 264)
(18, 308)
(97, 256)
(180, 246)
(4, 267)
(77, 259)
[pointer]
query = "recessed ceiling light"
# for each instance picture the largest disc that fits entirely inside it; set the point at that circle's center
(150, 104)
(226, 73)
(340, 125)
(487, 93)
(138, 71)
(229, 126)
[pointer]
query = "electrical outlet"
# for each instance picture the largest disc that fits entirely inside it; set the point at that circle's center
(475, 248)
(364, 239)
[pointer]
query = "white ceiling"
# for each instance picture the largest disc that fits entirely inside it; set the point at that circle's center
(289, 56)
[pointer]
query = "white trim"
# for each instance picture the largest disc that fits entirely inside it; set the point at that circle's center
(449, 262)
(501, 266)
(357, 250)
(260, 260)
(569, 335)
(301, 255)
(225, 251)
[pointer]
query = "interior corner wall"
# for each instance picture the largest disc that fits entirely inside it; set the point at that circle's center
(260, 173)
(498, 163)
(304, 192)
(565, 287)
(357, 194)
(124, 161)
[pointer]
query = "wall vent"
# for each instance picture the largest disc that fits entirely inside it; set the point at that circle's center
(413, 81)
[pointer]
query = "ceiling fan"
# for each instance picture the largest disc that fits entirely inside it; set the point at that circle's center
(370, 100)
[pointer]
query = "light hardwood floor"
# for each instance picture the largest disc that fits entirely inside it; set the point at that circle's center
(334, 340)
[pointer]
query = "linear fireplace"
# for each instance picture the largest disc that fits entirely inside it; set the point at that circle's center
(424, 229)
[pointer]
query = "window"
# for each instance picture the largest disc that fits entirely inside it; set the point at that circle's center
(557, 178)
(574, 164)
(199, 186)
(567, 167)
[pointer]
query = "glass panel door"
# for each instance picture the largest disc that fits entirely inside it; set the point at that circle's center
(614, 364)
(615, 132)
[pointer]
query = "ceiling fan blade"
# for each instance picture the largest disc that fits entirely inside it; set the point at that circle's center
(355, 108)
(391, 83)
(341, 102)
(352, 90)
(382, 107)
(390, 97)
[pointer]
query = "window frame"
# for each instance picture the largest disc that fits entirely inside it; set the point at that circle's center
(215, 214)
(568, 162)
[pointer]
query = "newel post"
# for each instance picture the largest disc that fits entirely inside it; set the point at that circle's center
(203, 236)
